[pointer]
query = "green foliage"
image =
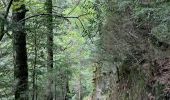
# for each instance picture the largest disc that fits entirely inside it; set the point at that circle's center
(106, 32)
(71, 48)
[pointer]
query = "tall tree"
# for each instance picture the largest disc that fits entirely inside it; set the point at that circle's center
(49, 48)
(20, 52)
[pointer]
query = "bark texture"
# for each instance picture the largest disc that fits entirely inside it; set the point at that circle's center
(49, 49)
(20, 53)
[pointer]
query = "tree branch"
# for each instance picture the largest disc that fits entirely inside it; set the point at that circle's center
(5, 18)
(55, 15)
(8, 7)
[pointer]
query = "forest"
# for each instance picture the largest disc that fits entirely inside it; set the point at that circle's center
(84, 49)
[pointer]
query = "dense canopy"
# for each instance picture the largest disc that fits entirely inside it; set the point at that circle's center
(84, 50)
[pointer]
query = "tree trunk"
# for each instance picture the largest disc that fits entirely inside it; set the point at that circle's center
(34, 87)
(67, 89)
(80, 87)
(20, 52)
(49, 49)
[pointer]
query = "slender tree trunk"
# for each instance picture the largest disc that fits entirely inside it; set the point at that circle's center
(20, 52)
(36, 93)
(34, 68)
(80, 87)
(67, 89)
(55, 91)
(97, 83)
(3, 20)
(1, 29)
(49, 49)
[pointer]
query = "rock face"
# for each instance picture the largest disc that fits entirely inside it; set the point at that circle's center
(159, 82)
(134, 62)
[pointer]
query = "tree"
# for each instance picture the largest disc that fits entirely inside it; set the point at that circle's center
(70, 46)
(20, 53)
(49, 48)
